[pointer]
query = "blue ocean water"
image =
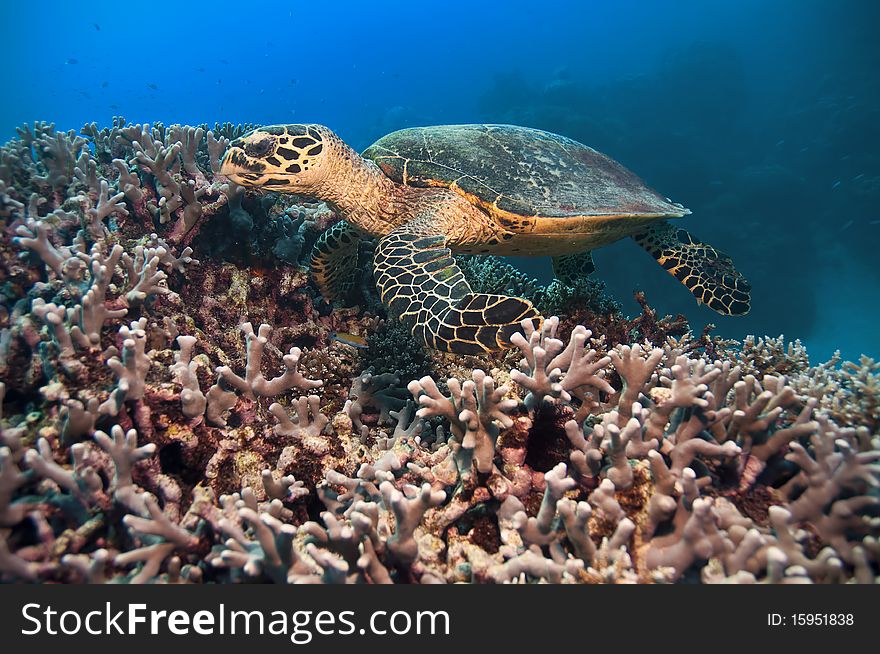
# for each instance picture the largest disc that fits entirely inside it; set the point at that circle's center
(761, 116)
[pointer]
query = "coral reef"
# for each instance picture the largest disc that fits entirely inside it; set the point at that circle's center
(177, 406)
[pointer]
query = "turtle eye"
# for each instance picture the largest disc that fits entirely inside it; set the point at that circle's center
(259, 148)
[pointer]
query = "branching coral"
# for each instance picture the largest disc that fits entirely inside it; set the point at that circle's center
(553, 372)
(254, 383)
(185, 370)
(476, 411)
(304, 425)
(221, 396)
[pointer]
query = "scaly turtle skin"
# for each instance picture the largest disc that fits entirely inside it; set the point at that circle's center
(479, 189)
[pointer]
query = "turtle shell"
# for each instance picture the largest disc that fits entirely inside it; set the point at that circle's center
(515, 171)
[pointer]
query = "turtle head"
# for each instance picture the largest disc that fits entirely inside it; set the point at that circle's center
(285, 158)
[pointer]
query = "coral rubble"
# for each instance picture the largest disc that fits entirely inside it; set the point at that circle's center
(178, 407)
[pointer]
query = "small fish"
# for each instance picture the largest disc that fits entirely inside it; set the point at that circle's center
(835, 185)
(200, 70)
(847, 225)
(114, 106)
(223, 61)
(105, 85)
(349, 339)
(153, 86)
(874, 222)
(97, 27)
(780, 142)
(71, 61)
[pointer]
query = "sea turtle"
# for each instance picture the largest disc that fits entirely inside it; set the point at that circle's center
(480, 189)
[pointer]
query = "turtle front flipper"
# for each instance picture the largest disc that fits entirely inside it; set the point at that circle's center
(334, 261)
(420, 283)
(706, 272)
(569, 268)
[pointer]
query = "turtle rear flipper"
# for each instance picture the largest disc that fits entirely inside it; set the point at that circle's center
(706, 272)
(334, 261)
(419, 281)
(569, 268)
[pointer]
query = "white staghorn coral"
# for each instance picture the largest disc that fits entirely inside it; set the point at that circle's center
(184, 370)
(222, 395)
(254, 383)
(476, 411)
